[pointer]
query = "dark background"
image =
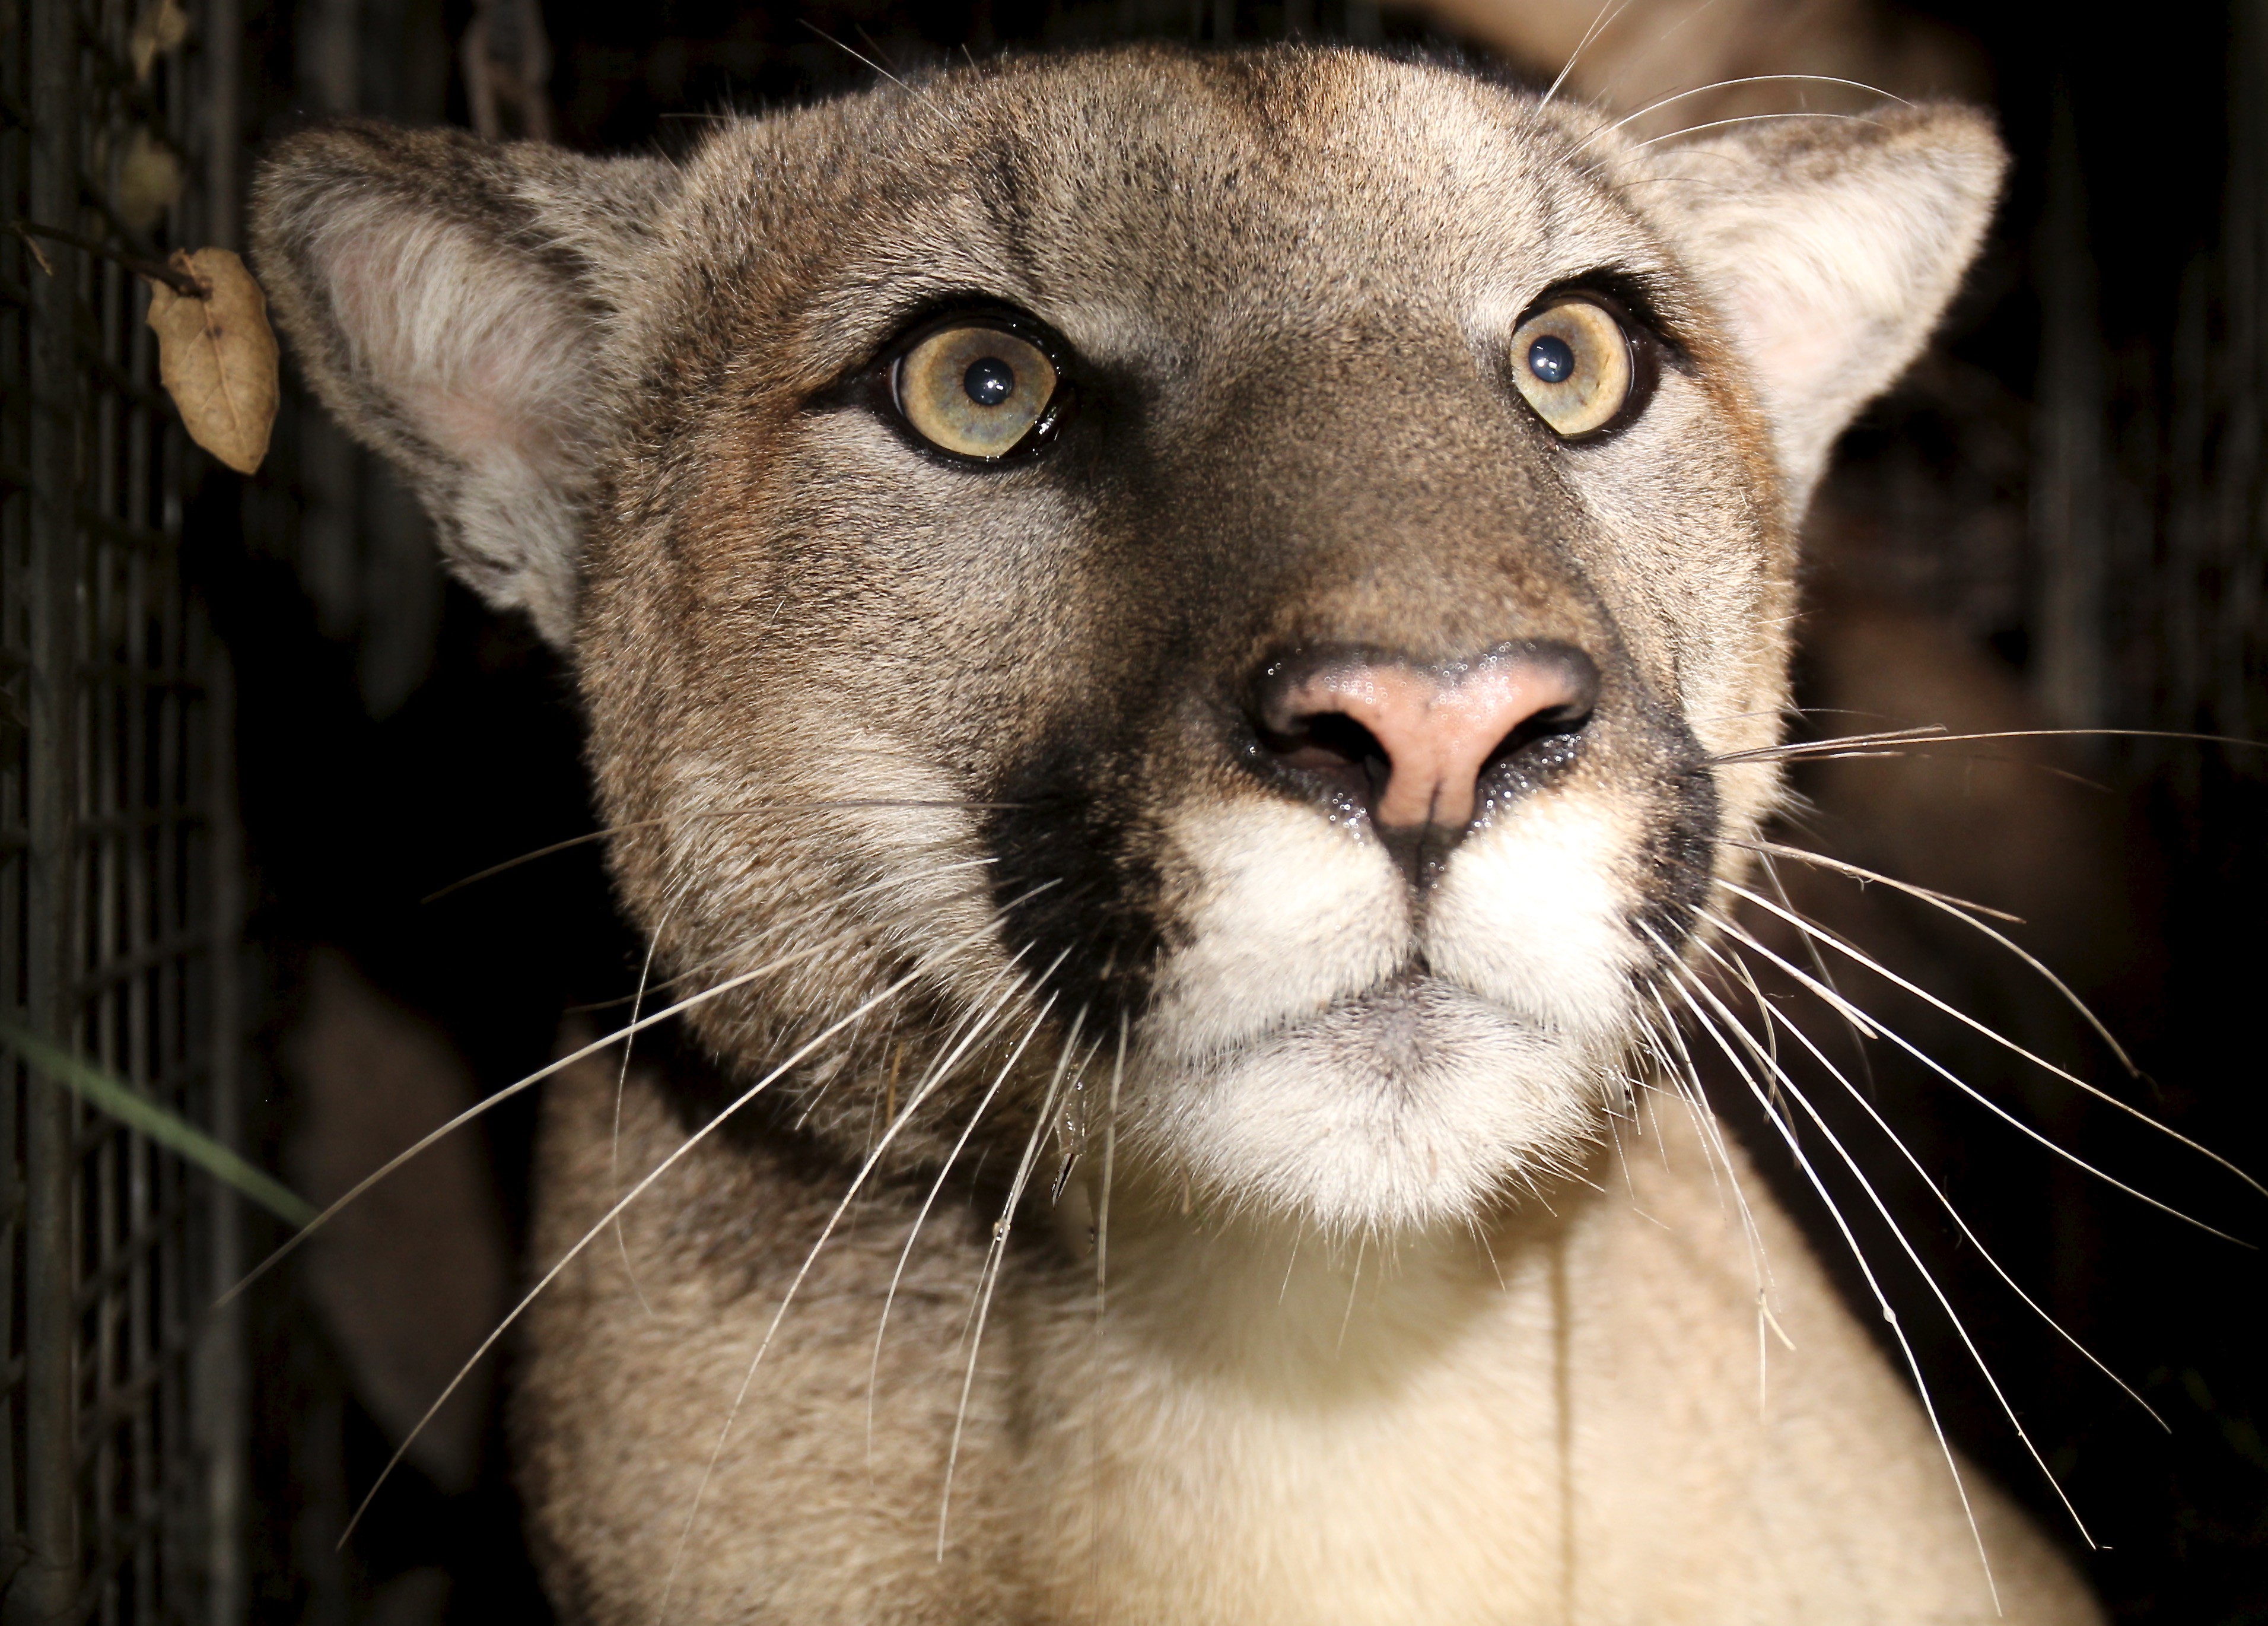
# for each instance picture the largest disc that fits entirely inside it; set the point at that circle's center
(2069, 496)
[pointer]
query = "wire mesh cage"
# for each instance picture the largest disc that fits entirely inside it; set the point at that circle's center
(120, 1454)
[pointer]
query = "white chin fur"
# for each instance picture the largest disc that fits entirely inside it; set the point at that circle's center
(1295, 1065)
(1406, 1108)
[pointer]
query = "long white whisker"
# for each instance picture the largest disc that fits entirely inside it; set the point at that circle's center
(1936, 735)
(854, 55)
(1960, 910)
(1860, 1035)
(658, 1169)
(1102, 1290)
(1944, 1201)
(793, 923)
(622, 1083)
(1863, 959)
(913, 1234)
(1723, 84)
(1681, 977)
(990, 1275)
(1750, 118)
(742, 810)
(505, 1094)
(1688, 1084)
(610, 1215)
(1109, 1159)
(914, 1104)
(1952, 900)
(1604, 19)
(920, 1214)
(1905, 1246)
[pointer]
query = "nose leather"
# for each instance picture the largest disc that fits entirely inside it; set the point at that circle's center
(1437, 726)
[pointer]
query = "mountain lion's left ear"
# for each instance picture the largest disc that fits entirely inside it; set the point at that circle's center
(454, 303)
(1832, 247)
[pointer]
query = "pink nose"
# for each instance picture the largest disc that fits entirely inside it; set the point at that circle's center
(1437, 729)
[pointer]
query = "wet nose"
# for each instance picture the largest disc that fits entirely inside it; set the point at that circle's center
(1413, 741)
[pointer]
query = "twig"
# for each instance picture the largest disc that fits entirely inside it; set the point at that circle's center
(181, 281)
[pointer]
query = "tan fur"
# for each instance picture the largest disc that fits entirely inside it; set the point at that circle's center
(1507, 1428)
(937, 787)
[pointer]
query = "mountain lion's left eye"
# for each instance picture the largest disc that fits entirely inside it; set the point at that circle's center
(1572, 362)
(975, 390)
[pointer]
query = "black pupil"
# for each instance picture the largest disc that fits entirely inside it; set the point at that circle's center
(1549, 358)
(989, 380)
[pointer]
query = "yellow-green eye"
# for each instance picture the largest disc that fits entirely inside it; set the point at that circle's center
(976, 390)
(1572, 362)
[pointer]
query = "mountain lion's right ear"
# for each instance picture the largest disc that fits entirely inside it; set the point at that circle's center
(449, 299)
(1832, 246)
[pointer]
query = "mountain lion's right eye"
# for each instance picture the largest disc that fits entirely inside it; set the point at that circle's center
(977, 391)
(1572, 362)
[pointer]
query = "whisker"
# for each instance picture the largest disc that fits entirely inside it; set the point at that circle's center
(1680, 977)
(1750, 118)
(1608, 10)
(914, 1104)
(622, 1083)
(1985, 1101)
(1723, 85)
(292, 1244)
(1687, 1082)
(808, 951)
(1938, 736)
(1354, 1282)
(1946, 1201)
(921, 1218)
(1906, 1246)
(854, 55)
(743, 811)
(1870, 963)
(1859, 1035)
(1958, 909)
(990, 1277)
(1109, 1161)
(1774, 849)
(658, 1169)
(1687, 1085)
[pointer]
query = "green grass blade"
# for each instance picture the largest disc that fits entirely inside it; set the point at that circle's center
(155, 1122)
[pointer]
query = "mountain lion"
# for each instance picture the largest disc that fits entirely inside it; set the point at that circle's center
(1182, 655)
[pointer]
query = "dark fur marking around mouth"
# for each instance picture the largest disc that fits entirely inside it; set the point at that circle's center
(1680, 851)
(1060, 821)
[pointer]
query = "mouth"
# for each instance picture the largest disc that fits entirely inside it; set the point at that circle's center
(1411, 1104)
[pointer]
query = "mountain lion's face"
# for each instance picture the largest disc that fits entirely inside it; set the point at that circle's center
(1228, 584)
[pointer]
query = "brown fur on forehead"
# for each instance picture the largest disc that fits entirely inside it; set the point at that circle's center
(1151, 183)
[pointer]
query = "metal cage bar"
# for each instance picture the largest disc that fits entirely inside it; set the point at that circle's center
(119, 1394)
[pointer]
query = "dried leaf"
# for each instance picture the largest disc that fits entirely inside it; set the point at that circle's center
(162, 27)
(149, 182)
(216, 357)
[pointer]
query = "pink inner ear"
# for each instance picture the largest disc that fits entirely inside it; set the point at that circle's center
(474, 351)
(1798, 348)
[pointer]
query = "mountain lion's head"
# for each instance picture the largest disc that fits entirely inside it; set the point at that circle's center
(1238, 584)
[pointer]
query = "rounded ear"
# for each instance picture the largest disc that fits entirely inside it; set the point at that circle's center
(1831, 247)
(453, 302)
